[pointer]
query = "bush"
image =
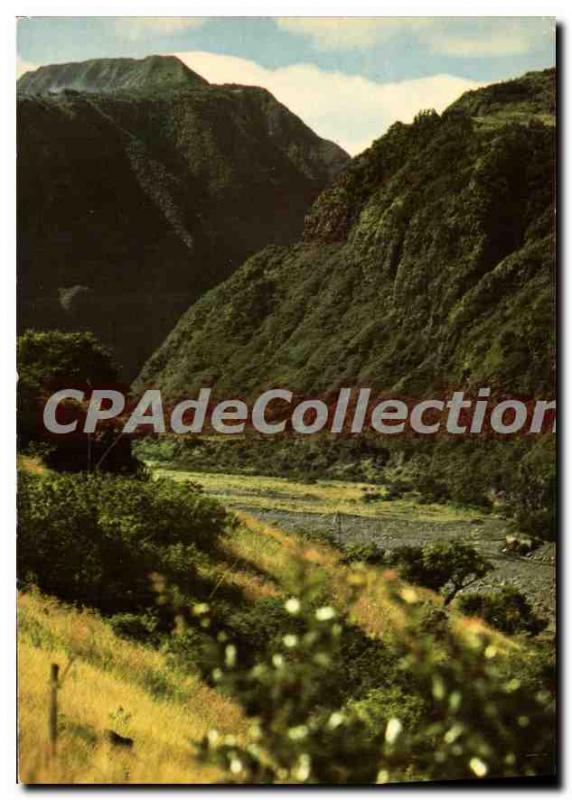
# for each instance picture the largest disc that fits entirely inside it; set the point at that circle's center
(298, 735)
(532, 491)
(474, 712)
(440, 565)
(95, 539)
(506, 609)
(364, 553)
(140, 627)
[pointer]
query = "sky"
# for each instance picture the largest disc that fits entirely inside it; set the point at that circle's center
(349, 79)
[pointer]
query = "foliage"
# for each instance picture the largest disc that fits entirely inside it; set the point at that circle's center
(533, 489)
(299, 734)
(96, 539)
(478, 695)
(440, 565)
(365, 554)
(51, 360)
(506, 609)
(296, 736)
(63, 359)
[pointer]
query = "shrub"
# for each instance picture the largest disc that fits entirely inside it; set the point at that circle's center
(95, 539)
(364, 553)
(532, 489)
(506, 609)
(440, 565)
(490, 717)
(296, 736)
(141, 627)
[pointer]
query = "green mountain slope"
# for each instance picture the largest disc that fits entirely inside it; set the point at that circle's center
(140, 186)
(427, 264)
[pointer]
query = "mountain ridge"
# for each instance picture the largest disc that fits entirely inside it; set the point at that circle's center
(133, 202)
(109, 75)
(428, 263)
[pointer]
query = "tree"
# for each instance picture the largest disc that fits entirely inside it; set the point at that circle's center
(450, 566)
(50, 360)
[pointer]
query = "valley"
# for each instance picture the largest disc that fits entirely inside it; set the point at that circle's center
(348, 513)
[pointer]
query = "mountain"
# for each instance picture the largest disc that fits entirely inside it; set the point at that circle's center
(141, 185)
(109, 75)
(427, 264)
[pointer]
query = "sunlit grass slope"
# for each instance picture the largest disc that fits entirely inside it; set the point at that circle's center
(110, 684)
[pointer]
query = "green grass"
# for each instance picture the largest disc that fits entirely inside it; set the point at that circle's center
(320, 497)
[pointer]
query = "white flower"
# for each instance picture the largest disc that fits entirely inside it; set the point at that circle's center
(299, 732)
(236, 766)
(278, 660)
(230, 655)
(453, 733)
(302, 771)
(336, 719)
(438, 688)
(213, 736)
(394, 728)
(409, 595)
(479, 767)
(325, 613)
(290, 640)
(292, 605)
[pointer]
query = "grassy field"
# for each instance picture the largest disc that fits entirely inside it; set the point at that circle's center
(322, 497)
(111, 684)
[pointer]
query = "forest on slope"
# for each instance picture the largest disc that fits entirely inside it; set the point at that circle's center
(426, 267)
(429, 263)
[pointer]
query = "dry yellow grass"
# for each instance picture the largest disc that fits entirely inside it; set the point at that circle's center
(106, 675)
(31, 464)
(375, 610)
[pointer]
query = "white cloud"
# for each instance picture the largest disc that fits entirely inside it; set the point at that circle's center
(349, 33)
(24, 66)
(348, 109)
(134, 28)
(454, 36)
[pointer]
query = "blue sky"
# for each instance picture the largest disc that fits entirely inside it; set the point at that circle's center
(348, 78)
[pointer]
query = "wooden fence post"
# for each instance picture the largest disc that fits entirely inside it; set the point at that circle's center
(53, 711)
